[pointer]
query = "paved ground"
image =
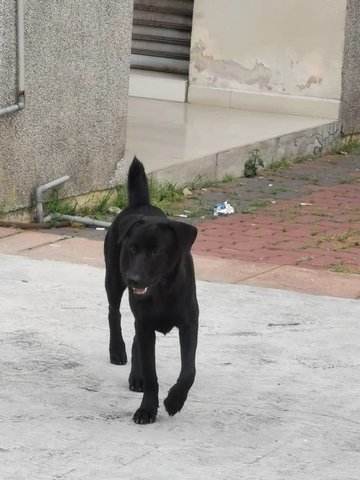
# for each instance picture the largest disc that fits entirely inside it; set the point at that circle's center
(276, 396)
(306, 215)
(311, 231)
(85, 246)
(277, 392)
(317, 230)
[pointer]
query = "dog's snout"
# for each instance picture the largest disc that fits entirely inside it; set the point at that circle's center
(133, 279)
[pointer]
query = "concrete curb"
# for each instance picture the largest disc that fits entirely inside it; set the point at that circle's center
(310, 141)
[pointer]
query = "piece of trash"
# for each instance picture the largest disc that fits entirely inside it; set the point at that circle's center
(182, 215)
(204, 189)
(304, 204)
(343, 153)
(273, 201)
(223, 209)
(100, 228)
(270, 185)
(187, 192)
(114, 210)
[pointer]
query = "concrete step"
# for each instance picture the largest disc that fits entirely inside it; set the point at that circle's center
(159, 64)
(158, 85)
(168, 35)
(164, 20)
(181, 142)
(160, 49)
(181, 7)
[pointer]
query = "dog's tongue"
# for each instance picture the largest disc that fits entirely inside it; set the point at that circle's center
(140, 291)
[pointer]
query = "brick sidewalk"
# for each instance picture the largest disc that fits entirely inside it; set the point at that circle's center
(321, 231)
(289, 245)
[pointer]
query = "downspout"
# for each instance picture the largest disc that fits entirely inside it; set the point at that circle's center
(20, 56)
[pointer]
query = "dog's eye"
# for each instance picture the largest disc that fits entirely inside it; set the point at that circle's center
(132, 250)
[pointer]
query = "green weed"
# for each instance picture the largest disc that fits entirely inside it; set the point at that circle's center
(253, 163)
(277, 190)
(261, 203)
(228, 178)
(121, 199)
(348, 145)
(55, 204)
(344, 181)
(279, 164)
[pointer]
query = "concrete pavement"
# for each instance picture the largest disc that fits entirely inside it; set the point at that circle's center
(276, 397)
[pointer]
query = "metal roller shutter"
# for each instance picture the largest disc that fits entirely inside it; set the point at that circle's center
(161, 35)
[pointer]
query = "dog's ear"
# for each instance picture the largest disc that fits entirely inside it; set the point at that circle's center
(125, 224)
(185, 234)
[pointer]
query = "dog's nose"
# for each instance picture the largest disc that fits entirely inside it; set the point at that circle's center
(133, 280)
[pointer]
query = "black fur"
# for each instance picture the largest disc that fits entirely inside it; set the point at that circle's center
(150, 254)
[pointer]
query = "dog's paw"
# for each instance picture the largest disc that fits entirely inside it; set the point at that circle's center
(118, 356)
(174, 401)
(136, 384)
(144, 416)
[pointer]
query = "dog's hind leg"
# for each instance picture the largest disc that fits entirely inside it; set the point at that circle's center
(179, 392)
(114, 289)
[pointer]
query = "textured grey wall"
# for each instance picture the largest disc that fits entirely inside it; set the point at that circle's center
(350, 101)
(77, 68)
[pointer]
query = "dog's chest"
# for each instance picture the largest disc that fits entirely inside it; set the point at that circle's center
(161, 316)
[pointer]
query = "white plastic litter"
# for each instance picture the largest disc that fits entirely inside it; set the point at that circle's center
(223, 209)
(114, 210)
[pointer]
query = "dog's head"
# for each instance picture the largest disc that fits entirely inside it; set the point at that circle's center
(151, 248)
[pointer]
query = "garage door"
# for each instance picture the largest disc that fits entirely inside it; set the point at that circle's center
(161, 35)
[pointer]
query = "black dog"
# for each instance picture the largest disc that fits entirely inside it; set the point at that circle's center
(150, 254)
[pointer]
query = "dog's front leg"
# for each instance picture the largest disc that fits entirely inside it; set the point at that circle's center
(179, 392)
(147, 412)
(115, 289)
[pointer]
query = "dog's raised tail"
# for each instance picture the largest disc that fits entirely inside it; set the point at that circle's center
(138, 188)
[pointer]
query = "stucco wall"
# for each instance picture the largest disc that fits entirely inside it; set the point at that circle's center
(77, 67)
(287, 47)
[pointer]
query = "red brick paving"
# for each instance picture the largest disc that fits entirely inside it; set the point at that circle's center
(325, 234)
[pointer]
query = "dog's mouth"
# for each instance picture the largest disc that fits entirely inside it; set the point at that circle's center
(140, 291)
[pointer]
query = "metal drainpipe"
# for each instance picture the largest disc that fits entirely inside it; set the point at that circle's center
(20, 104)
(59, 216)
